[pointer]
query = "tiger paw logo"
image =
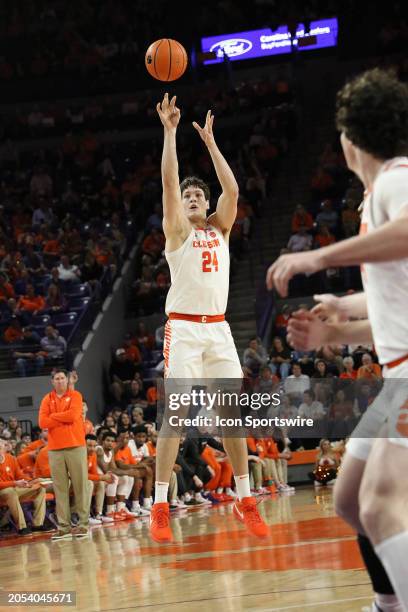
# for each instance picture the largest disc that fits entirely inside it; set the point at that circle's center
(402, 422)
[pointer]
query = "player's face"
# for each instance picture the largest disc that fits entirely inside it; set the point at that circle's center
(194, 203)
(90, 446)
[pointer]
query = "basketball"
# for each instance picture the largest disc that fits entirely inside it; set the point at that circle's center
(166, 59)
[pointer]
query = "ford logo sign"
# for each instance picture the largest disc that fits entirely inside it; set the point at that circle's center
(232, 47)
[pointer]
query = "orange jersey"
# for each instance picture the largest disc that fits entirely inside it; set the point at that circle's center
(151, 448)
(125, 455)
(42, 466)
(271, 448)
(93, 473)
(10, 471)
(26, 462)
(256, 447)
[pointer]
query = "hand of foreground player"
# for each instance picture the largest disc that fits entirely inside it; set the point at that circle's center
(330, 306)
(206, 132)
(287, 266)
(168, 112)
(306, 331)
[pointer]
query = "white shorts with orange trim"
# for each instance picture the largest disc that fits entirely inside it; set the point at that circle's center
(389, 407)
(200, 350)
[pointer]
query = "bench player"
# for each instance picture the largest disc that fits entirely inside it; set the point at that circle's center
(198, 342)
(371, 492)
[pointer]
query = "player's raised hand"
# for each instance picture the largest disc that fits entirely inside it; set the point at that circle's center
(287, 266)
(330, 306)
(306, 331)
(168, 112)
(206, 132)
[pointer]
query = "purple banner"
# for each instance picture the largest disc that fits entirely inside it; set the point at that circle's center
(265, 42)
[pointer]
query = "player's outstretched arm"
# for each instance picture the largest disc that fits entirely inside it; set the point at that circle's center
(226, 211)
(307, 332)
(343, 308)
(172, 208)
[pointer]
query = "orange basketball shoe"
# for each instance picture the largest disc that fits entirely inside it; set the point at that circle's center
(247, 512)
(160, 529)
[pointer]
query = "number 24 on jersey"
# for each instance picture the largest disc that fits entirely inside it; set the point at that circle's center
(210, 261)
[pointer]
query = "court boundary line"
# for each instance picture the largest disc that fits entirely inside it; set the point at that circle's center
(207, 599)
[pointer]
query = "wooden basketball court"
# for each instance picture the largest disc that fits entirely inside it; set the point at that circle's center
(311, 562)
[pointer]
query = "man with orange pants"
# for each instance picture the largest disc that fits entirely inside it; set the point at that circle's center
(221, 479)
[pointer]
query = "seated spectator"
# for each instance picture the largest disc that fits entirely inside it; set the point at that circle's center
(286, 409)
(97, 482)
(301, 218)
(154, 244)
(310, 408)
(369, 369)
(327, 216)
(267, 382)
(53, 344)
(124, 423)
(131, 350)
(349, 371)
(67, 271)
(342, 407)
(14, 332)
(322, 381)
(88, 425)
(55, 301)
(321, 183)
(257, 466)
(301, 241)
(366, 395)
(30, 302)
(121, 373)
(91, 271)
(144, 340)
(12, 425)
(52, 247)
(195, 472)
(323, 237)
(110, 423)
(306, 359)
(6, 290)
(15, 487)
(253, 358)
(333, 358)
(220, 483)
(350, 219)
(42, 215)
(33, 262)
(282, 320)
(29, 362)
(280, 358)
(296, 384)
(155, 221)
(137, 416)
(135, 396)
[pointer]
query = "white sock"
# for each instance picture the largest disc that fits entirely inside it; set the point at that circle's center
(187, 497)
(243, 488)
(135, 505)
(120, 506)
(161, 490)
(220, 490)
(388, 603)
(147, 502)
(393, 553)
(110, 509)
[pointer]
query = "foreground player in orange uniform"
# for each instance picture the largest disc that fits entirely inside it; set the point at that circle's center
(198, 342)
(371, 491)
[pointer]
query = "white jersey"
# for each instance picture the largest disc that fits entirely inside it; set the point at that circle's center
(386, 283)
(107, 457)
(199, 274)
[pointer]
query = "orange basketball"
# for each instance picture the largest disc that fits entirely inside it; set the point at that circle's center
(166, 59)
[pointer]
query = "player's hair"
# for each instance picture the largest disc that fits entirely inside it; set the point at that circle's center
(109, 434)
(59, 371)
(372, 111)
(139, 429)
(194, 181)
(90, 437)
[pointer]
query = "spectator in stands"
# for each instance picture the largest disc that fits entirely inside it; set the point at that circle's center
(67, 271)
(301, 241)
(31, 303)
(282, 320)
(253, 359)
(135, 396)
(349, 371)
(124, 423)
(137, 416)
(91, 271)
(323, 237)
(280, 358)
(153, 244)
(327, 216)
(61, 413)
(267, 382)
(29, 362)
(110, 423)
(14, 332)
(350, 218)
(296, 384)
(100, 480)
(301, 218)
(12, 425)
(306, 359)
(287, 410)
(88, 425)
(155, 221)
(310, 408)
(55, 301)
(121, 372)
(131, 350)
(15, 487)
(42, 215)
(53, 344)
(6, 290)
(145, 341)
(369, 369)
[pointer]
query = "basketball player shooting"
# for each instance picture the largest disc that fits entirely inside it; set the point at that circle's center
(371, 491)
(198, 342)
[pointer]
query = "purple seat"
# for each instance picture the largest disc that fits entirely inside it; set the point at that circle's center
(65, 318)
(81, 290)
(78, 303)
